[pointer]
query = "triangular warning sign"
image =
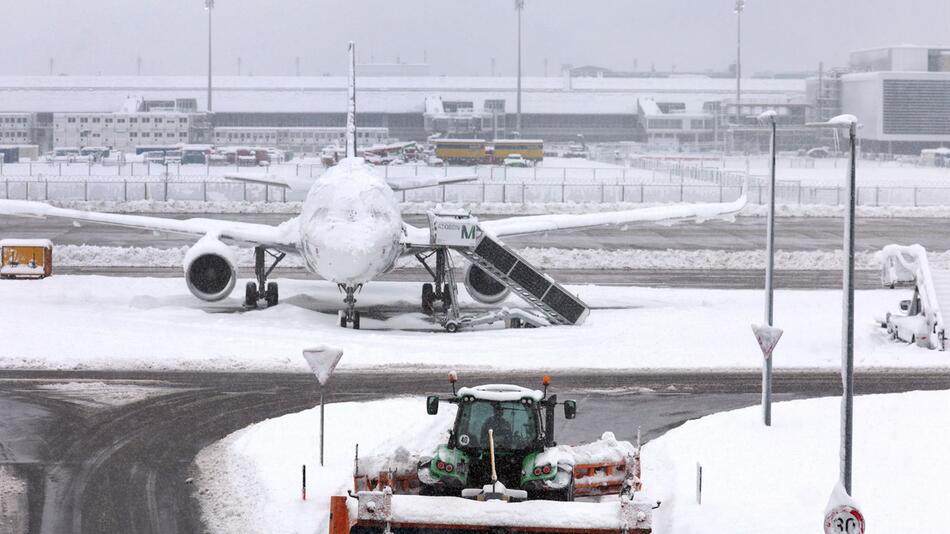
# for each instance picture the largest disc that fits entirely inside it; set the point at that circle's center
(768, 337)
(322, 361)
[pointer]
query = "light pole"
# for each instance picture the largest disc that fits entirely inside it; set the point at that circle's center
(847, 335)
(767, 335)
(209, 6)
(519, 7)
(740, 5)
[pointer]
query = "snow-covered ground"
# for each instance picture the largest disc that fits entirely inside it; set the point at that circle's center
(754, 478)
(491, 208)
(832, 171)
(779, 479)
(250, 481)
(95, 322)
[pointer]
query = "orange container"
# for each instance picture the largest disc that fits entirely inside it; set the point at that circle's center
(26, 258)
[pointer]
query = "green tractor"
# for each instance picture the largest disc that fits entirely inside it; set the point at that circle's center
(502, 433)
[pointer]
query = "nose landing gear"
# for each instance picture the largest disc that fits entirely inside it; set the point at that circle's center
(350, 315)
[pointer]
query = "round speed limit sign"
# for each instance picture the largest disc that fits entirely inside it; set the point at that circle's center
(844, 520)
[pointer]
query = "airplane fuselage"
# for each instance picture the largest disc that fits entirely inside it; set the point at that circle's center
(350, 225)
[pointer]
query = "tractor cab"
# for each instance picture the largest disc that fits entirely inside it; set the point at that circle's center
(505, 431)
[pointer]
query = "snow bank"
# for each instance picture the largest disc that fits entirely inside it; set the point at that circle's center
(250, 481)
(494, 208)
(110, 394)
(543, 257)
(99, 322)
(782, 476)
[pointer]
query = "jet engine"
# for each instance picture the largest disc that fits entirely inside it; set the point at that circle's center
(210, 269)
(483, 287)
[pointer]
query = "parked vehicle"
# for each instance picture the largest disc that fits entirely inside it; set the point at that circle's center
(154, 156)
(910, 325)
(515, 160)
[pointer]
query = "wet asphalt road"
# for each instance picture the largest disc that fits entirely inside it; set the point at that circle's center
(94, 468)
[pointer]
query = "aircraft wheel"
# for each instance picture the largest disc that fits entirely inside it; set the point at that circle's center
(428, 295)
(446, 296)
(271, 294)
(356, 320)
(250, 294)
(342, 319)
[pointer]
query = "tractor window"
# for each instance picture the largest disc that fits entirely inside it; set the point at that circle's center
(513, 424)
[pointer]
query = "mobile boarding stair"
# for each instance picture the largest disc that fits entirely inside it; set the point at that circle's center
(552, 303)
(907, 266)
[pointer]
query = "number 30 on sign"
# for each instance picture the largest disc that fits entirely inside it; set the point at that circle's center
(844, 520)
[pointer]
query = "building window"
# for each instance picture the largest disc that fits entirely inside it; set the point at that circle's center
(145, 120)
(133, 134)
(71, 119)
(133, 120)
(120, 121)
(182, 120)
(158, 120)
(96, 119)
(146, 134)
(83, 120)
(108, 120)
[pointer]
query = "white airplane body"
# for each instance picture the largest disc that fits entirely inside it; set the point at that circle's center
(350, 230)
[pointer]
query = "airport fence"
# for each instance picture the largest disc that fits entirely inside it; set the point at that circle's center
(789, 193)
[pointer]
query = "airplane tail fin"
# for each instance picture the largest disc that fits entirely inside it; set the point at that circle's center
(351, 106)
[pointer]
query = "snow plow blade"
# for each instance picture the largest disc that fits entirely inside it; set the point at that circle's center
(376, 512)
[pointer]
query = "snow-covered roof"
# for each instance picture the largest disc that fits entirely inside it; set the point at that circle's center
(46, 243)
(501, 393)
(376, 94)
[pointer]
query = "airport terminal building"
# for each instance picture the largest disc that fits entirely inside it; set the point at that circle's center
(901, 95)
(75, 110)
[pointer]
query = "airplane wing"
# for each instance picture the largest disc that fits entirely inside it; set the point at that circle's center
(296, 183)
(674, 212)
(284, 236)
(418, 182)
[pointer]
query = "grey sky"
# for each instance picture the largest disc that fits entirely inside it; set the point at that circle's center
(456, 36)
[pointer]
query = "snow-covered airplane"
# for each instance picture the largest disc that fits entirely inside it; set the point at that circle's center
(350, 231)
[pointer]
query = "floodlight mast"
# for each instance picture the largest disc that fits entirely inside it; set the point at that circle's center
(519, 7)
(740, 5)
(209, 6)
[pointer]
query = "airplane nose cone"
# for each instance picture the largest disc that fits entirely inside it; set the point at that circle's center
(350, 252)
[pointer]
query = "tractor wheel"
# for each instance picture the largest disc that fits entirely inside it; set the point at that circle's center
(271, 294)
(566, 494)
(250, 294)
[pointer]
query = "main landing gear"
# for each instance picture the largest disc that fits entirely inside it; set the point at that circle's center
(262, 294)
(350, 315)
(442, 290)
